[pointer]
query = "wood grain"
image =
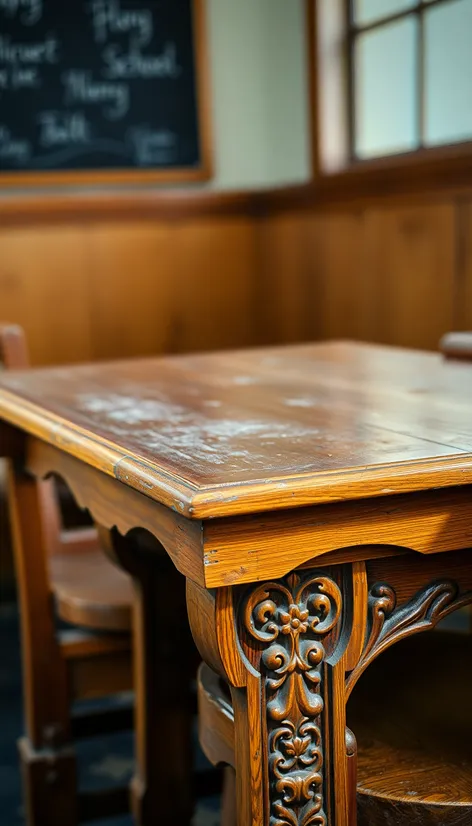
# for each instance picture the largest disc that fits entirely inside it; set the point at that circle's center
(338, 255)
(247, 431)
(383, 269)
(95, 208)
(257, 547)
(90, 592)
(278, 710)
(463, 288)
(412, 762)
(43, 288)
(410, 259)
(287, 291)
(214, 269)
(168, 272)
(412, 766)
(113, 504)
(130, 301)
(153, 291)
(130, 287)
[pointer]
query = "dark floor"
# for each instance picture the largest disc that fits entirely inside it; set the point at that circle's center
(102, 761)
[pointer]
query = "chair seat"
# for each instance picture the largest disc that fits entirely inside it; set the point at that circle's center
(90, 591)
(413, 722)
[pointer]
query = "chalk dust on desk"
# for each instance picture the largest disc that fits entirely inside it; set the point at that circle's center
(302, 402)
(244, 381)
(173, 431)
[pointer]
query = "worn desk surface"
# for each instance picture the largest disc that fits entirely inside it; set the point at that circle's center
(238, 432)
(292, 604)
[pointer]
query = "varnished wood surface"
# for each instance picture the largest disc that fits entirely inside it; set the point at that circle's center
(90, 592)
(260, 429)
(134, 287)
(143, 273)
(414, 755)
(457, 346)
(219, 270)
(414, 761)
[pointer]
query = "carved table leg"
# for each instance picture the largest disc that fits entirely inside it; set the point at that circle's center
(162, 788)
(281, 647)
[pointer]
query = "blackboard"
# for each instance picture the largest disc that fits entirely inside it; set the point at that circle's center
(102, 85)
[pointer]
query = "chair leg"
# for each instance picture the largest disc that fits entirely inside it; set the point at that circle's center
(50, 785)
(228, 798)
(47, 760)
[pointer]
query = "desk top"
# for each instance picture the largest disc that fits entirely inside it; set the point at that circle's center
(238, 432)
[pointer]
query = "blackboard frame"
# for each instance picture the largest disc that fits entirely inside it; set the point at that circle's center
(174, 175)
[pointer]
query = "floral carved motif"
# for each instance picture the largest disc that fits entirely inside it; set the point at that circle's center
(289, 619)
(389, 623)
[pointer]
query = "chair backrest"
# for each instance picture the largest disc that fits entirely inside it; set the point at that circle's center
(13, 347)
(14, 356)
(457, 346)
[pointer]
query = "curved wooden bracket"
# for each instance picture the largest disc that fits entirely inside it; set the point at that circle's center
(388, 623)
(113, 505)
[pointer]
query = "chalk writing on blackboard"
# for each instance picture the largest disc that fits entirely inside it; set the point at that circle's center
(110, 19)
(29, 11)
(98, 84)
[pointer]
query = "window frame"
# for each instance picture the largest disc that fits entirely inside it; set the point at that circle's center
(334, 164)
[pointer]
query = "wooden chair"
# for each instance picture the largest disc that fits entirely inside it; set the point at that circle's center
(457, 346)
(413, 724)
(74, 583)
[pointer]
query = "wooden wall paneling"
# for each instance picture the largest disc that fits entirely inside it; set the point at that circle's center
(131, 288)
(214, 284)
(410, 260)
(340, 306)
(287, 291)
(43, 287)
(463, 285)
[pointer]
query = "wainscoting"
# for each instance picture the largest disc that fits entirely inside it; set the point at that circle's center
(99, 277)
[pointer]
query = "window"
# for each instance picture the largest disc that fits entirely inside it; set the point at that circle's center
(394, 77)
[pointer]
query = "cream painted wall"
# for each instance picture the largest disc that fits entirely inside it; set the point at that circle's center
(258, 57)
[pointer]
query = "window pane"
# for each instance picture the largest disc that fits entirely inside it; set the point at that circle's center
(385, 90)
(366, 11)
(448, 33)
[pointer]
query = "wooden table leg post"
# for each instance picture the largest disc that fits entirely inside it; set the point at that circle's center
(162, 789)
(280, 645)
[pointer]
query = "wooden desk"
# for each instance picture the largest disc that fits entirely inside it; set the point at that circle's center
(318, 501)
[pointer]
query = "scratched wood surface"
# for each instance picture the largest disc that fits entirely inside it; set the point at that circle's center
(257, 430)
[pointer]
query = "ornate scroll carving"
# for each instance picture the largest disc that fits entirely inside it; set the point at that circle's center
(388, 623)
(289, 619)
